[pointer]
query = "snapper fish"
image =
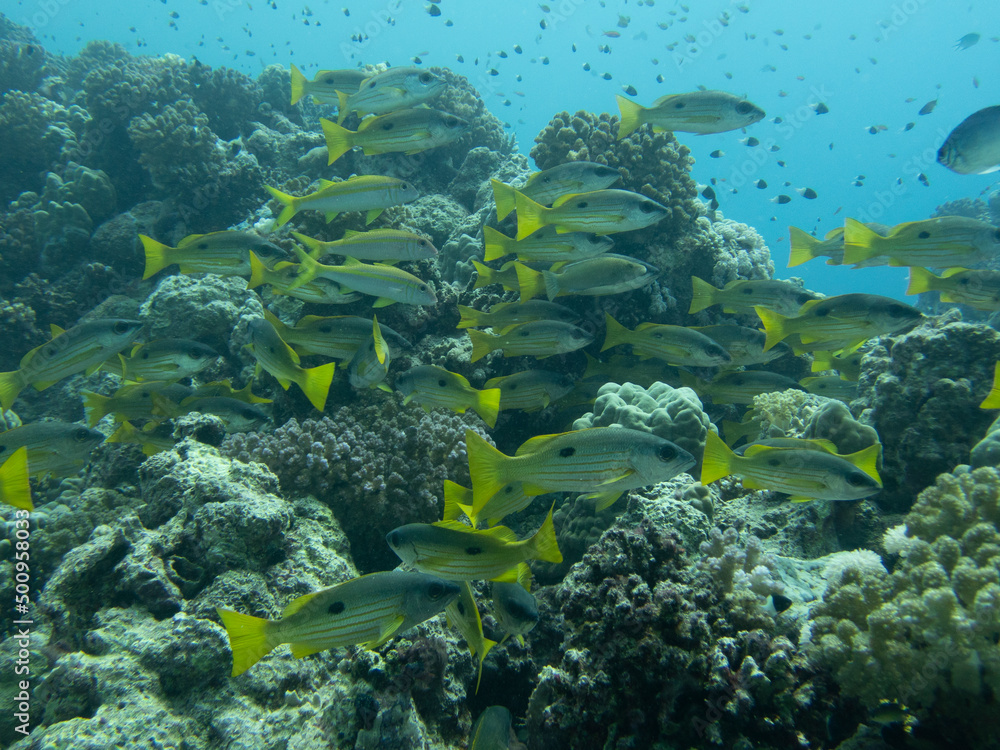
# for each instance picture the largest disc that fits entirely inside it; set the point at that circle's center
(336, 337)
(370, 363)
(675, 345)
(531, 390)
(365, 611)
(546, 186)
(325, 84)
(132, 401)
(942, 242)
(501, 316)
(741, 296)
(979, 289)
(458, 500)
(592, 277)
(805, 247)
(384, 245)
(370, 193)
(15, 489)
(163, 359)
(492, 729)
(741, 387)
(600, 212)
(701, 112)
(456, 552)
(280, 360)
(386, 283)
(435, 387)
(225, 253)
(407, 131)
(545, 245)
(514, 607)
(390, 90)
(541, 338)
(284, 278)
(82, 348)
(56, 448)
(745, 346)
(600, 461)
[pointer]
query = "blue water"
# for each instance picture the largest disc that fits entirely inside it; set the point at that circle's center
(862, 59)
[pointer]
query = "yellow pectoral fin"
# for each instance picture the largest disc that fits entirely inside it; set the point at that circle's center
(508, 576)
(388, 630)
(603, 500)
(628, 473)
(307, 648)
(801, 499)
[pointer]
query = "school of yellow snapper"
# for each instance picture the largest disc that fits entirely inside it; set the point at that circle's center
(566, 219)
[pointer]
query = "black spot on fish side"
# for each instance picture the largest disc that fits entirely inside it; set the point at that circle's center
(442, 382)
(460, 606)
(473, 550)
(924, 235)
(581, 204)
(336, 608)
(773, 462)
(567, 452)
(388, 125)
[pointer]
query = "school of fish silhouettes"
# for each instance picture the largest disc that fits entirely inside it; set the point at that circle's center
(567, 217)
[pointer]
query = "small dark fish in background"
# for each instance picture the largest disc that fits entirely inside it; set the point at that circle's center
(781, 199)
(807, 193)
(928, 108)
(821, 108)
(967, 41)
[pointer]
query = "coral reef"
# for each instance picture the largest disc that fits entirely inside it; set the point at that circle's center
(925, 635)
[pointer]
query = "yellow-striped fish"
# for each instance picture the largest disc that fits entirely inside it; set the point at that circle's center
(283, 279)
(805, 247)
(456, 552)
(546, 245)
(15, 489)
(370, 193)
(463, 615)
(979, 289)
(458, 500)
(57, 448)
(503, 315)
(943, 242)
(281, 361)
(742, 296)
(600, 461)
(366, 611)
(224, 253)
(805, 474)
(434, 387)
(599, 211)
(132, 401)
(506, 276)
(151, 442)
(531, 390)
(407, 131)
(225, 388)
(514, 607)
(541, 338)
(82, 348)
(325, 84)
(545, 186)
(163, 359)
(840, 322)
(674, 344)
(238, 416)
(848, 365)
(599, 276)
(742, 386)
(392, 89)
(336, 337)
(623, 368)
(699, 112)
(385, 245)
(748, 429)
(370, 363)
(831, 386)
(387, 284)
(744, 345)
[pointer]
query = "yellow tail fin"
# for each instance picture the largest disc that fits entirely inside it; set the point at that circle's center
(14, 487)
(316, 384)
(339, 140)
(484, 468)
(482, 343)
(485, 275)
(703, 295)
(315, 246)
(774, 326)
(616, 333)
(469, 316)
(860, 242)
(257, 271)
(803, 247)
(992, 400)
(288, 201)
(530, 282)
(298, 84)
(11, 384)
(487, 645)
(867, 460)
(95, 407)
(497, 243)
(457, 500)
(156, 256)
(716, 462)
(247, 638)
(488, 405)
(530, 215)
(342, 110)
(503, 196)
(544, 544)
(631, 116)
(921, 280)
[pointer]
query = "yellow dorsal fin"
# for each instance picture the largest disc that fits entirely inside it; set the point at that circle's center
(297, 604)
(867, 460)
(535, 443)
(56, 330)
(381, 348)
(564, 199)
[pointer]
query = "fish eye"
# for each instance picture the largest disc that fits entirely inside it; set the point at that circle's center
(81, 435)
(404, 186)
(423, 287)
(436, 590)
(145, 355)
(423, 243)
(666, 453)
(963, 282)
(658, 335)
(822, 312)
(744, 108)
(451, 122)
(858, 479)
(121, 327)
(395, 539)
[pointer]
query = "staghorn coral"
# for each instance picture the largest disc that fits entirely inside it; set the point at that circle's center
(925, 635)
(378, 466)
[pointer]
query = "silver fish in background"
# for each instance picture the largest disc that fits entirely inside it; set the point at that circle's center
(82, 348)
(57, 448)
(973, 147)
(492, 730)
(515, 607)
(163, 359)
(546, 245)
(396, 88)
(325, 84)
(592, 277)
(370, 363)
(545, 186)
(385, 245)
(225, 253)
(541, 338)
(599, 211)
(407, 131)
